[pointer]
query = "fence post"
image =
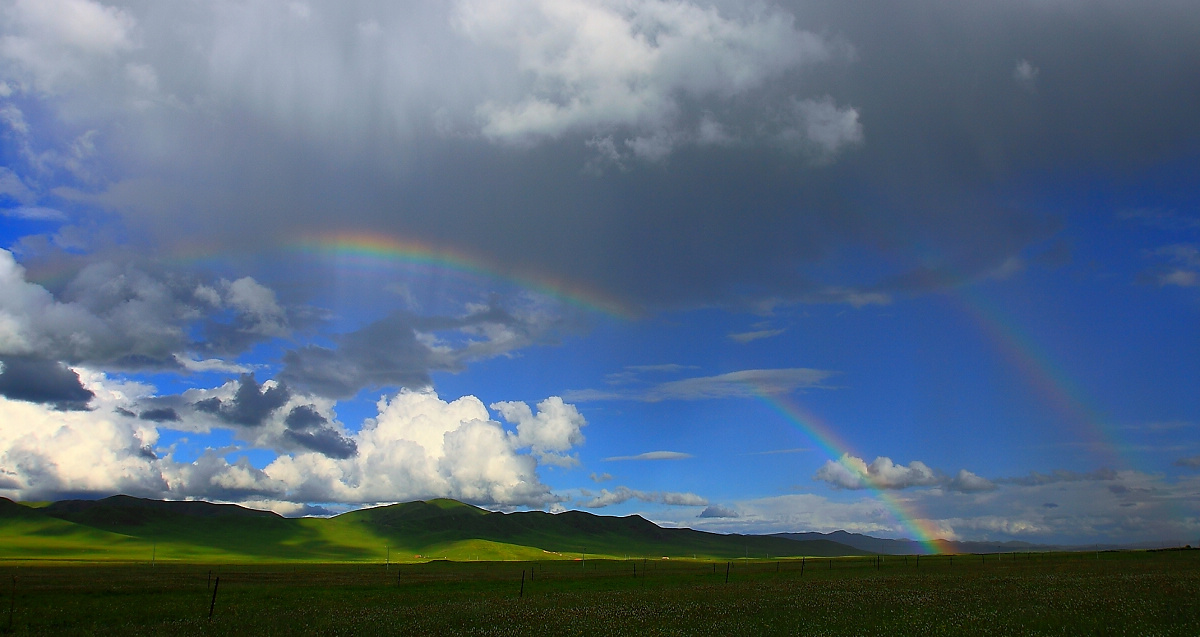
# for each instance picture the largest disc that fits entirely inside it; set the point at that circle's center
(12, 603)
(213, 603)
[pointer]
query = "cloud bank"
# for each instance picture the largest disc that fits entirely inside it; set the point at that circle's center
(418, 446)
(559, 113)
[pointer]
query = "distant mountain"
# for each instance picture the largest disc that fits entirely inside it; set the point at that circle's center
(124, 510)
(124, 527)
(909, 547)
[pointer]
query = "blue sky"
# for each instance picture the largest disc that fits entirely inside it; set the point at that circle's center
(923, 271)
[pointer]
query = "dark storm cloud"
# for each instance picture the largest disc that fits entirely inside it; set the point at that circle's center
(45, 382)
(163, 414)
(902, 131)
(251, 403)
(304, 417)
(392, 352)
(309, 429)
(324, 441)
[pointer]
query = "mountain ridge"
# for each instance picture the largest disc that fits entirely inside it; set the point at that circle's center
(118, 527)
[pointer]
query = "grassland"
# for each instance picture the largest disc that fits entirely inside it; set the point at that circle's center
(124, 566)
(1111, 593)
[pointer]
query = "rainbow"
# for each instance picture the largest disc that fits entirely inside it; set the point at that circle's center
(925, 531)
(370, 250)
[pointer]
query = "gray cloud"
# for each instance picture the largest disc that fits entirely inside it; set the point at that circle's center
(1060, 475)
(1192, 462)
(160, 414)
(304, 417)
(310, 430)
(718, 511)
(41, 381)
(747, 337)
(134, 316)
(400, 350)
(250, 405)
(739, 384)
(624, 494)
(652, 455)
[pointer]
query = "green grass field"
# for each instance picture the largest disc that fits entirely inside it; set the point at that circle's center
(1111, 593)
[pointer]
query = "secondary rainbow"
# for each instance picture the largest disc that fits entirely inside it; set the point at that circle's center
(1041, 372)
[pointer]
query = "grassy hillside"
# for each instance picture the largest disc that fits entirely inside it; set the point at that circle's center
(127, 528)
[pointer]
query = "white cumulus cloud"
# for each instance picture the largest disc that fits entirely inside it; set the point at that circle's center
(850, 472)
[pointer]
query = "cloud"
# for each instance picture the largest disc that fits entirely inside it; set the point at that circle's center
(1026, 74)
(966, 482)
(1180, 278)
(1075, 512)
(854, 473)
(1059, 476)
(402, 350)
(45, 382)
(822, 128)
(382, 103)
(55, 42)
(13, 188)
(599, 66)
(746, 337)
(652, 455)
(310, 430)
(34, 213)
(600, 477)
(718, 511)
(1192, 462)
(162, 414)
(624, 494)
(739, 384)
(1182, 268)
(556, 428)
(800, 513)
(1162, 218)
(122, 316)
(250, 405)
(418, 446)
(257, 315)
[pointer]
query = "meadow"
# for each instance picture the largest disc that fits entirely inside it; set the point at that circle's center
(1106, 593)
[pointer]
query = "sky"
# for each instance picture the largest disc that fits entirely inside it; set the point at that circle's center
(919, 270)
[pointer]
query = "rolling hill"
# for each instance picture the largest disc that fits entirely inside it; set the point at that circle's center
(127, 528)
